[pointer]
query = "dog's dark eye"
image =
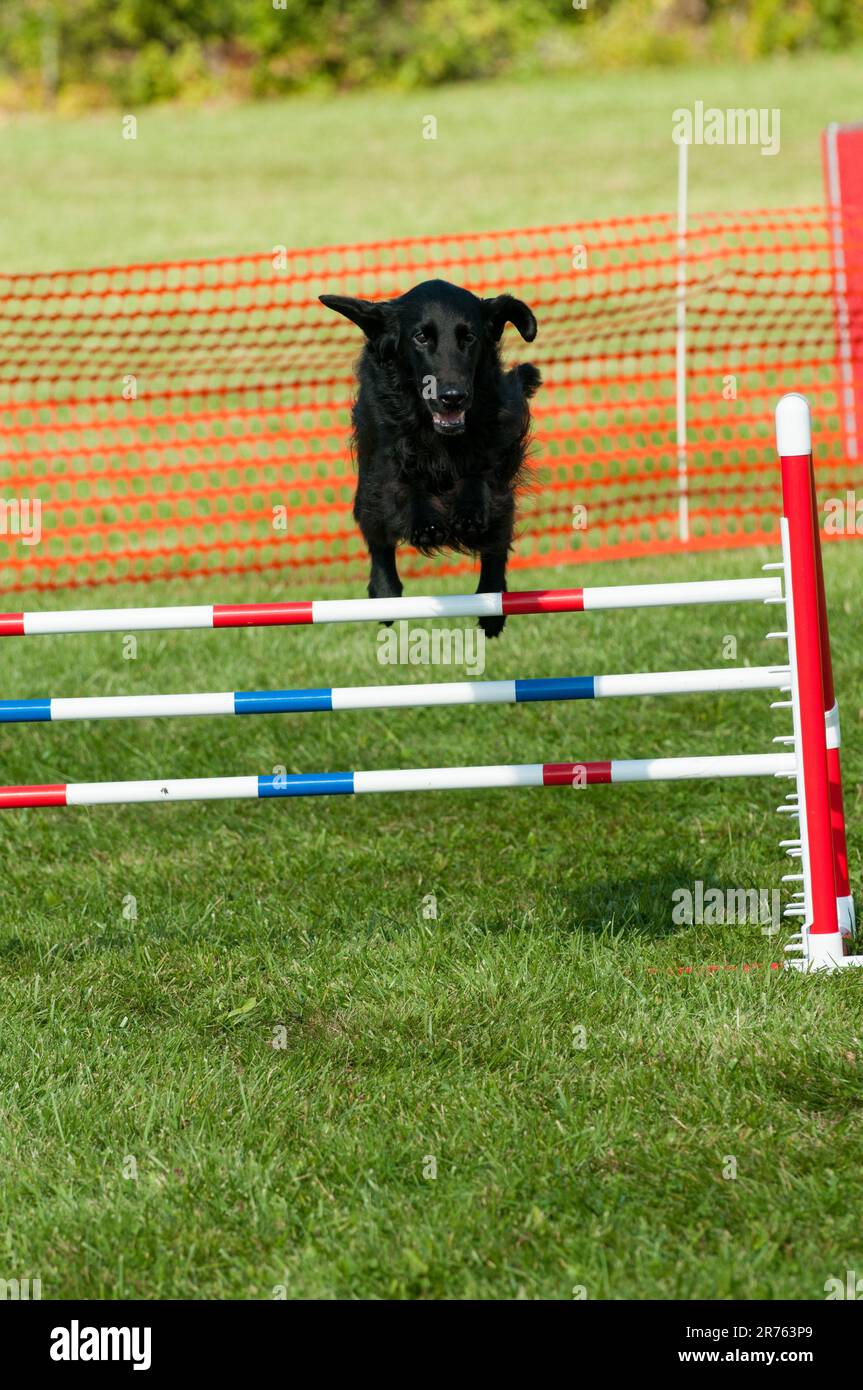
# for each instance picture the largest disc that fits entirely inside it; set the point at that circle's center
(420, 338)
(469, 338)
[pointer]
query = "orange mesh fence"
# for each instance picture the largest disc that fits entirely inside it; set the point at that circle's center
(192, 418)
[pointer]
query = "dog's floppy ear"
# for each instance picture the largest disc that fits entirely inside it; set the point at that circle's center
(506, 309)
(366, 314)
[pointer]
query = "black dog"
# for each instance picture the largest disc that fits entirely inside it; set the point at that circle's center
(440, 430)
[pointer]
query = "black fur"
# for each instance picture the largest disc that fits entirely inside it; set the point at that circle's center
(440, 431)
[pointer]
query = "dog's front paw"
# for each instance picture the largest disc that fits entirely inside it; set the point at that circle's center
(492, 627)
(472, 512)
(426, 535)
(471, 523)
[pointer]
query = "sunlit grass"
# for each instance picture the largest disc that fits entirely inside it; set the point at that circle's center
(315, 171)
(245, 1004)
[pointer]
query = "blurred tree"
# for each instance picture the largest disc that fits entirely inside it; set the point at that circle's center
(134, 51)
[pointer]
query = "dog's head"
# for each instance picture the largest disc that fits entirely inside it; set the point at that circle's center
(438, 333)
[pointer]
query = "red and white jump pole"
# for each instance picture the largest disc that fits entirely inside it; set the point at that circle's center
(821, 846)
(301, 612)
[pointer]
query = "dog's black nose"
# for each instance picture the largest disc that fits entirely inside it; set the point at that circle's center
(452, 399)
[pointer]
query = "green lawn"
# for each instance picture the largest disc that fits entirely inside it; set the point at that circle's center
(310, 171)
(456, 1038)
(581, 1098)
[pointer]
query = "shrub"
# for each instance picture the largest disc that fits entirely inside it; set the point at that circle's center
(138, 51)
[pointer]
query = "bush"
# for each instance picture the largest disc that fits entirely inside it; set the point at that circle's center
(138, 51)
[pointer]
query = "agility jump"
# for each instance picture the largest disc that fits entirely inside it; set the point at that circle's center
(811, 759)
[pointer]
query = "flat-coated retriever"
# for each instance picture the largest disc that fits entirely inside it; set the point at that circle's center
(439, 429)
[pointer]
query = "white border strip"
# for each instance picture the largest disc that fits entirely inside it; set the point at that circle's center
(117, 620)
(700, 591)
(421, 696)
(433, 779)
(680, 769)
(171, 789)
(368, 610)
(141, 706)
(691, 682)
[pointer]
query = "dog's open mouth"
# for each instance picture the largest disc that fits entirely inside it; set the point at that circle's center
(448, 421)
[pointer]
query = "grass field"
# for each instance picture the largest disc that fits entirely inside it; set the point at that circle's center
(581, 1098)
(310, 172)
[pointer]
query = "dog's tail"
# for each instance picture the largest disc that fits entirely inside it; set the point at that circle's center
(530, 378)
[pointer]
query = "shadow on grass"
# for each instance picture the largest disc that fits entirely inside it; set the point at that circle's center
(645, 906)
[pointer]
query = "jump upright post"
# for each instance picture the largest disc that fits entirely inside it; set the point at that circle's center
(810, 759)
(826, 905)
